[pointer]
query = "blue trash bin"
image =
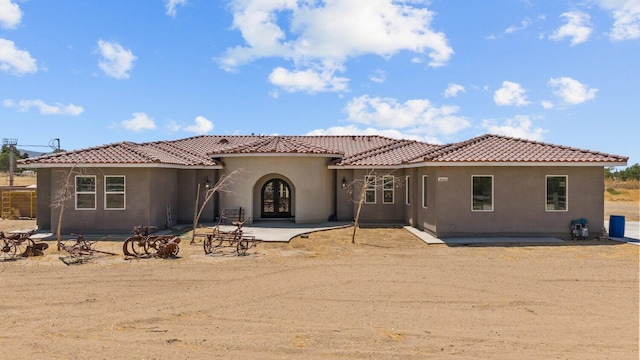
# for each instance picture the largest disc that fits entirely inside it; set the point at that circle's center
(616, 226)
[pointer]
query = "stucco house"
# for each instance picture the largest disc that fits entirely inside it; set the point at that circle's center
(487, 186)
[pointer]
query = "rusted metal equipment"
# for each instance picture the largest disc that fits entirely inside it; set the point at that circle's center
(229, 239)
(143, 244)
(19, 245)
(80, 252)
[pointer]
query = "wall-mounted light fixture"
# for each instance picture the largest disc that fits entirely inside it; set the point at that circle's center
(344, 183)
(207, 183)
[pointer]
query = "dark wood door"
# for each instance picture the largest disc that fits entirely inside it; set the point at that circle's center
(276, 199)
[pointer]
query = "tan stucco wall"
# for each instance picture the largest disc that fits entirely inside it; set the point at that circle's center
(312, 185)
(44, 184)
(148, 192)
(347, 201)
(519, 202)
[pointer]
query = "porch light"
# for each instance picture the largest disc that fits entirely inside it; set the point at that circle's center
(207, 183)
(344, 183)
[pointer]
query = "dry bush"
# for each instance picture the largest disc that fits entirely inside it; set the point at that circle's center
(18, 180)
(618, 190)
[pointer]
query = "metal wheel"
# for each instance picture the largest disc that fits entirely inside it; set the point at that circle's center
(152, 245)
(207, 244)
(8, 250)
(127, 247)
(139, 246)
(22, 245)
(242, 247)
(175, 250)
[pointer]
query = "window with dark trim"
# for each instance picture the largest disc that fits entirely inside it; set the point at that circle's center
(85, 192)
(482, 199)
(114, 192)
(556, 193)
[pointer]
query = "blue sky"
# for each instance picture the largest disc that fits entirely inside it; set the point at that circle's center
(440, 71)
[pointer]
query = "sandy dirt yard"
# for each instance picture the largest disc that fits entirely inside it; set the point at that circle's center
(389, 296)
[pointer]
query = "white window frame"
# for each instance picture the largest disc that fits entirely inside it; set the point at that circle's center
(123, 192)
(493, 184)
(407, 190)
(425, 187)
(370, 185)
(546, 191)
(94, 192)
(386, 190)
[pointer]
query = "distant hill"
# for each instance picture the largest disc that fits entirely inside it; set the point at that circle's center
(30, 153)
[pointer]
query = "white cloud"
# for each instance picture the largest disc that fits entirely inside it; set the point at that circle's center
(324, 35)
(309, 80)
(626, 15)
(44, 108)
(140, 121)
(201, 126)
(116, 61)
(417, 116)
(546, 104)
(572, 91)
(378, 76)
(510, 94)
(14, 60)
(172, 4)
(523, 25)
(518, 127)
(10, 14)
(354, 130)
(578, 28)
(453, 90)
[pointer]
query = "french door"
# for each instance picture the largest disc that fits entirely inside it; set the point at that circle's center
(276, 199)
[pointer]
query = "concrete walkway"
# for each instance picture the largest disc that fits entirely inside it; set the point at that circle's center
(631, 232)
(632, 236)
(430, 239)
(280, 231)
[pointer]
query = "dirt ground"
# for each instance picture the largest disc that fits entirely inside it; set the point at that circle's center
(389, 296)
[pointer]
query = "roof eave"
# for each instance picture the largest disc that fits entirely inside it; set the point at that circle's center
(113, 165)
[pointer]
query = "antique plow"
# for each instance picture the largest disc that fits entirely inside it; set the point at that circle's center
(80, 252)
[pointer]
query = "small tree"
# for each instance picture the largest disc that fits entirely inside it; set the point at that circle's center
(223, 185)
(368, 183)
(61, 195)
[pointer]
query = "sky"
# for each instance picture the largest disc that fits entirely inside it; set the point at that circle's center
(441, 71)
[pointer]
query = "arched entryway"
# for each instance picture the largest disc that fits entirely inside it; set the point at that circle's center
(275, 200)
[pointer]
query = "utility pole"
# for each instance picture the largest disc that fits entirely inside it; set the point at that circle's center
(11, 143)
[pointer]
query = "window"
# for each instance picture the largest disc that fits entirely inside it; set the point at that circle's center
(114, 187)
(482, 193)
(85, 192)
(387, 189)
(407, 190)
(424, 191)
(556, 193)
(370, 190)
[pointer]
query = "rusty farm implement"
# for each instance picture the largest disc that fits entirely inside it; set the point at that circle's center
(142, 244)
(234, 239)
(19, 245)
(80, 251)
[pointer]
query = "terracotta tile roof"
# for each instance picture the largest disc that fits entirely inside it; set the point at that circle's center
(395, 153)
(126, 153)
(495, 148)
(277, 144)
(342, 150)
